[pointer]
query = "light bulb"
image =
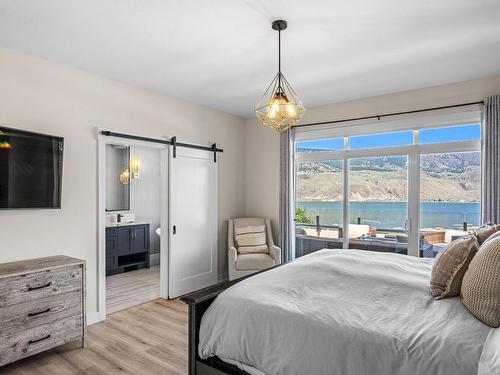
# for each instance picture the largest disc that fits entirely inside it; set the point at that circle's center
(291, 110)
(125, 177)
(279, 107)
(274, 109)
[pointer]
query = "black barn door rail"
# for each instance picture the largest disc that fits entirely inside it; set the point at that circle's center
(172, 141)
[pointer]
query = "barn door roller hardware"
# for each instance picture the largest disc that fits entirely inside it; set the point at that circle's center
(173, 142)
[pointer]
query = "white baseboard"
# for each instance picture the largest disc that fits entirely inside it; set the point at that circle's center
(221, 277)
(154, 259)
(93, 318)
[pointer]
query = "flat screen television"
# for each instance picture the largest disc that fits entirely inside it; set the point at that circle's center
(30, 169)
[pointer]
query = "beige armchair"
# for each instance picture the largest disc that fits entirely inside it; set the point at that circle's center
(240, 265)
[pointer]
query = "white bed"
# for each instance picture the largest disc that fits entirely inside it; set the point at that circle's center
(346, 312)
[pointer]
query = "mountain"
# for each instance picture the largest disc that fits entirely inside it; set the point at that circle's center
(457, 162)
(445, 177)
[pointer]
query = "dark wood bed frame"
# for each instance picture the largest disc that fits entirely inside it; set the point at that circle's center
(198, 302)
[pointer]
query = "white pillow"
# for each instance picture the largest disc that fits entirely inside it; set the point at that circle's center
(251, 239)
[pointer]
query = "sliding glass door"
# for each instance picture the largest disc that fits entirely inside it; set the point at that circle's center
(378, 203)
(408, 192)
(450, 191)
(319, 206)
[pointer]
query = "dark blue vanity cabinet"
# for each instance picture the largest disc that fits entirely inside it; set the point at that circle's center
(127, 248)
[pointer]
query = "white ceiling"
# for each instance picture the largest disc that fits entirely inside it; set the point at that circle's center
(223, 53)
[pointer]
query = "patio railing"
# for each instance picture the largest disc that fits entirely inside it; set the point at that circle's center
(320, 226)
(395, 239)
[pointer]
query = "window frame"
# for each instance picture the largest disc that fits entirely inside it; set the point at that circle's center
(468, 116)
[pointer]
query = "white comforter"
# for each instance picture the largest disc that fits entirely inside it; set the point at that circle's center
(346, 312)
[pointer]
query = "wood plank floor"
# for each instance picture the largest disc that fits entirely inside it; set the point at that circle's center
(129, 289)
(147, 339)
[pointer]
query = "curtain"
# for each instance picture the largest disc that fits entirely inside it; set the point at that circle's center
(490, 161)
(285, 199)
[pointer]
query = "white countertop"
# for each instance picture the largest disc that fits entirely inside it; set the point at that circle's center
(113, 225)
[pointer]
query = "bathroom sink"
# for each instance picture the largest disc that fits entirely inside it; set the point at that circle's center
(123, 224)
(120, 224)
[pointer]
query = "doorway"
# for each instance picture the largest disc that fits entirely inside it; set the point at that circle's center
(132, 210)
(187, 230)
(132, 224)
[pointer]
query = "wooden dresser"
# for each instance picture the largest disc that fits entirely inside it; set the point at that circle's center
(42, 305)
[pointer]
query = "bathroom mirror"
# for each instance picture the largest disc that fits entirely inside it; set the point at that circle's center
(117, 178)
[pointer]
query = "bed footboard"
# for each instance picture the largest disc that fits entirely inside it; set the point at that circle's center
(198, 302)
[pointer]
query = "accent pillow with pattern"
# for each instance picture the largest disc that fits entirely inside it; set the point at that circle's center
(484, 232)
(251, 239)
(481, 284)
(450, 266)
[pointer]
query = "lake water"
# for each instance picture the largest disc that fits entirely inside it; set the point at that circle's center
(392, 215)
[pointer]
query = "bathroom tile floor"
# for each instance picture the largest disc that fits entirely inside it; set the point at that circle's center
(129, 289)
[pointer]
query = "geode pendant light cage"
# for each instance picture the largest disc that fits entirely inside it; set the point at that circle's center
(280, 107)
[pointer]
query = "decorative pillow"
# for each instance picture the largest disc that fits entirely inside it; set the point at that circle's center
(450, 265)
(485, 231)
(481, 285)
(493, 236)
(251, 239)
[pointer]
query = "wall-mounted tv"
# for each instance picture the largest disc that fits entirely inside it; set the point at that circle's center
(30, 169)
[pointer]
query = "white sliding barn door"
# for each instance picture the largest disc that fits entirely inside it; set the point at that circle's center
(193, 221)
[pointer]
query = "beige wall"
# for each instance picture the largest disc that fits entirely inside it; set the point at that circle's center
(45, 97)
(262, 172)
(262, 144)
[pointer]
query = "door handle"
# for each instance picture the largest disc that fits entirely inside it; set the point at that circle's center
(174, 229)
(407, 226)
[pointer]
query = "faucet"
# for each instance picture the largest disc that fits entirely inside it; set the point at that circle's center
(119, 218)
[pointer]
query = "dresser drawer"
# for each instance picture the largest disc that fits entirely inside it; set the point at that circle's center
(36, 340)
(29, 287)
(34, 313)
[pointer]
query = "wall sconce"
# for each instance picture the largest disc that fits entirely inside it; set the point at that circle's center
(125, 177)
(135, 165)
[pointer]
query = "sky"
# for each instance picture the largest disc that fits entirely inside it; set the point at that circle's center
(448, 134)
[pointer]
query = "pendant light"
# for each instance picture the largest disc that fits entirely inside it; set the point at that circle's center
(280, 107)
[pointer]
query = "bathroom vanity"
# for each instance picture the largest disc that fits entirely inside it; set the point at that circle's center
(127, 247)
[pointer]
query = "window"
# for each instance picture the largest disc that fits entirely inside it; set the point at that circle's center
(378, 203)
(318, 206)
(335, 144)
(450, 191)
(381, 140)
(409, 191)
(450, 134)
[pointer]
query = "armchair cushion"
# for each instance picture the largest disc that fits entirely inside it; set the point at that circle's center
(257, 261)
(251, 239)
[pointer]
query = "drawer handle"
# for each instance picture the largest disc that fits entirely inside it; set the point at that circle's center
(39, 312)
(30, 288)
(38, 340)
